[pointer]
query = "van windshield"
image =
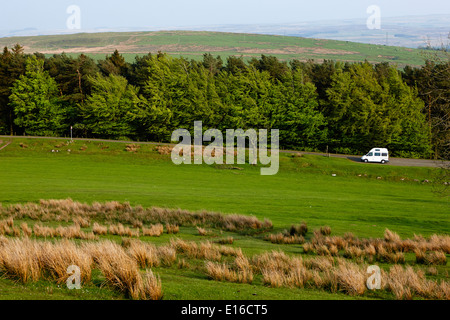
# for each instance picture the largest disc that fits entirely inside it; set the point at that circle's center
(370, 154)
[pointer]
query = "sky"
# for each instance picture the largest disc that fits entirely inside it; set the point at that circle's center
(151, 14)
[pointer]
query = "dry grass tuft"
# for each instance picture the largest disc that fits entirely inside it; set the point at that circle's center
(120, 230)
(98, 229)
(26, 230)
(202, 231)
(19, 259)
(227, 240)
(40, 230)
(308, 248)
(351, 278)
(282, 238)
(325, 230)
(299, 230)
(405, 283)
(145, 254)
(435, 258)
(244, 269)
(241, 271)
(152, 286)
(155, 230)
(220, 272)
(172, 228)
(119, 269)
(81, 221)
(167, 255)
(116, 212)
(391, 236)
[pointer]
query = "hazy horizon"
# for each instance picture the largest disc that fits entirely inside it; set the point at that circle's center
(138, 14)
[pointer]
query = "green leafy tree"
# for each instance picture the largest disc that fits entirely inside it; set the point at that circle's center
(34, 97)
(112, 108)
(365, 110)
(12, 66)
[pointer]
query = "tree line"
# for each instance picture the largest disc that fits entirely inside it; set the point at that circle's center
(339, 106)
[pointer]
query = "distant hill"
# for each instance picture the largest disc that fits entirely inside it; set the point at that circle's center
(407, 31)
(193, 44)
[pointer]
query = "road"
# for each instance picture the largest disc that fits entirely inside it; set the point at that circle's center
(403, 162)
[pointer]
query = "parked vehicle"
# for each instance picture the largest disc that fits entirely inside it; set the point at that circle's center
(376, 155)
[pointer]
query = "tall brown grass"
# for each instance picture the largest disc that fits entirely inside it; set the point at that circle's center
(56, 257)
(98, 229)
(167, 255)
(81, 221)
(220, 271)
(120, 230)
(205, 250)
(282, 238)
(227, 240)
(172, 228)
(155, 230)
(299, 230)
(145, 254)
(31, 260)
(405, 283)
(202, 231)
(241, 271)
(152, 286)
(124, 213)
(351, 278)
(19, 259)
(122, 273)
(325, 230)
(26, 230)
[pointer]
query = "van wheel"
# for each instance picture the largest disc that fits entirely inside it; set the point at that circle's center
(382, 161)
(365, 160)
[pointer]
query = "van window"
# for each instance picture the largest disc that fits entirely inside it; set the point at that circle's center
(384, 154)
(377, 154)
(370, 154)
(377, 149)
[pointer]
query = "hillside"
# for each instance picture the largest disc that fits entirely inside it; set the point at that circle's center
(192, 44)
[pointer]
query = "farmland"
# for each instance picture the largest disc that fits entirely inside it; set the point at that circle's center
(193, 44)
(109, 191)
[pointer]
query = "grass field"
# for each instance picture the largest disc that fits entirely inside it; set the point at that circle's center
(361, 199)
(193, 44)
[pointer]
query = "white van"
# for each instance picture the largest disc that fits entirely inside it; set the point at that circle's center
(376, 155)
